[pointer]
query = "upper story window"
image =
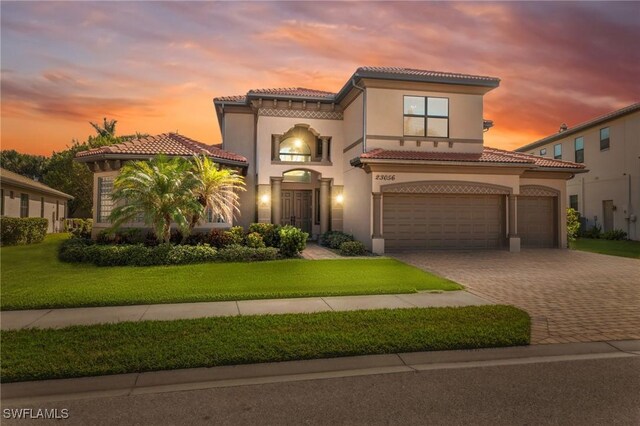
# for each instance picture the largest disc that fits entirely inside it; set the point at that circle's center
(543, 151)
(426, 116)
(573, 202)
(579, 148)
(295, 149)
(24, 205)
(604, 139)
(557, 151)
(105, 203)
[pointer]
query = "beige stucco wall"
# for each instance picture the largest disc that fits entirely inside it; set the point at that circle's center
(357, 213)
(353, 117)
(239, 137)
(614, 174)
(268, 126)
(12, 205)
(385, 117)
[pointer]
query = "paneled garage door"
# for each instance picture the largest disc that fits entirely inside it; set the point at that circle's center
(442, 221)
(537, 221)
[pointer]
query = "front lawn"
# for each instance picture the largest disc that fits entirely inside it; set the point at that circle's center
(129, 347)
(33, 278)
(611, 247)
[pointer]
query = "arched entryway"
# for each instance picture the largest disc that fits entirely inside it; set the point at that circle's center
(301, 198)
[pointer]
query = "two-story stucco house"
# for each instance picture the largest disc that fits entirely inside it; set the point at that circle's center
(609, 146)
(24, 197)
(396, 158)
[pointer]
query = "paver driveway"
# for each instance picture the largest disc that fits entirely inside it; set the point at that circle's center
(572, 296)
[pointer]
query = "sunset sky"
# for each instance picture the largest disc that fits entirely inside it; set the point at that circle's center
(155, 67)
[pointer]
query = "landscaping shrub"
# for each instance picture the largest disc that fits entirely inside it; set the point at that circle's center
(219, 238)
(352, 248)
(594, 232)
(238, 253)
(573, 224)
(196, 239)
(123, 236)
(615, 234)
(254, 240)
(80, 228)
(334, 239)
(22, 230)
(78, 250)
(236, 235)
(292, 241)
(270, 233)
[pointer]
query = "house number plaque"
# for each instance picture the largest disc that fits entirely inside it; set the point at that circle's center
(385, 177)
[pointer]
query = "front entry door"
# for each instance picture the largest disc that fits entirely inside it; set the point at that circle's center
(607, 215)
(296, 209)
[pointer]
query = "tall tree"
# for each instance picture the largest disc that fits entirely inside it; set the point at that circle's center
(107, 129)
(31, 166)
(216, 190)
(161, 190)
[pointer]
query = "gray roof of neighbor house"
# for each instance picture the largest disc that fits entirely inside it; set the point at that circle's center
(382, 73)
(15, 179)
(171, 144)
(582, 126)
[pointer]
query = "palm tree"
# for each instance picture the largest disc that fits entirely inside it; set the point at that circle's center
(161, 189)
(216, 190)
(108, 129)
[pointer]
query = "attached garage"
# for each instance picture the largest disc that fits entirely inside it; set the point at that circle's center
(537, 224)
(443, 221)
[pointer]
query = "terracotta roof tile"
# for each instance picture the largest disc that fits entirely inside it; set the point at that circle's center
(425, 73)
(488, 155)
(294, 91)
(235, 98)
(167, 144)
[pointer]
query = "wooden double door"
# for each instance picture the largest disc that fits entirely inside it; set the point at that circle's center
(296, 208)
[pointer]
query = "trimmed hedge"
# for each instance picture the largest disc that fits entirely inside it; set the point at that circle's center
(77, 250)
(270, 233)
(22, 230)
(292, 241)
(334, 239)
(352, 248)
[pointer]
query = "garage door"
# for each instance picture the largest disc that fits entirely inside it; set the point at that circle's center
(536, 221)
(438, 221)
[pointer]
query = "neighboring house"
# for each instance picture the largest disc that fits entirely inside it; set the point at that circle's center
(609, 146)
(397, 159)
(105, 163)
(24, 197)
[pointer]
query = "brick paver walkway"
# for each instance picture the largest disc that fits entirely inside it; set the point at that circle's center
(314, 251)
(572, 296)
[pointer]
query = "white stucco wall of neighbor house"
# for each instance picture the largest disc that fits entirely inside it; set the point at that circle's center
(53, 209)
(268, 126)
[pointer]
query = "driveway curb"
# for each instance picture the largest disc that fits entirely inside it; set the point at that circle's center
(239, 375)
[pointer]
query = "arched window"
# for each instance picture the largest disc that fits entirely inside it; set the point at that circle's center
(295, 149)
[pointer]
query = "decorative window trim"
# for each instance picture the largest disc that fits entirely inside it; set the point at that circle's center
(446, 187)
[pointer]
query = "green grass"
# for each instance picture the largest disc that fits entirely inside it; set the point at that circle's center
(614, 248)
(33, 278)
(78, 351)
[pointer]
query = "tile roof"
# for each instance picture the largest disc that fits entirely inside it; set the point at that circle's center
(9, 177)
(582, 126)
(167, 144)
(400, 71)
(411, 74)
(488, 155)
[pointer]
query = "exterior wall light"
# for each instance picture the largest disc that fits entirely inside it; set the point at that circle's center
(264, 199)
(339, 198)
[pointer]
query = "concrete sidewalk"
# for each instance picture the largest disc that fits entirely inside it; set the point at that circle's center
(58, 318)
(290, 371)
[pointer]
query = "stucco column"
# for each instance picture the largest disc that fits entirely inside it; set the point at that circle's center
(514, 240)
(276, 200)
(324, 204)
(377, 215)
(275, 156)
(325, 149)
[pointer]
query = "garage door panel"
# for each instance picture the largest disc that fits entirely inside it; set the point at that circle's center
(536, 222)
(440, 221)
